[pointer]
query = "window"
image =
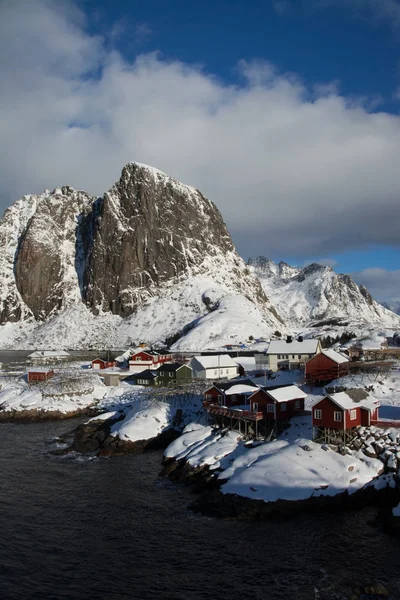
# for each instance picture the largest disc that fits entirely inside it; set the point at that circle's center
(337, 416)
(208, 396)
(299, 356)
(227, 371)
(293, 356)
(283, 406)
(171, 374)
(353, 415)
(255, 406)
(318, 414)
(220, 399)
(297, 404)
(138, 358)
(215, 372)
(270, 408)
(310, 356)
(287, 356)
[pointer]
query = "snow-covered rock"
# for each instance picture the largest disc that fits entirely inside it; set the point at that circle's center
(316, 296)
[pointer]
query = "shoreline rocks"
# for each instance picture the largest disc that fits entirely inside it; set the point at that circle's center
(94, 436)
(213, 503)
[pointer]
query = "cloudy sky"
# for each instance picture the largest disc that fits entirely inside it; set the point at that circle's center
(285, 113)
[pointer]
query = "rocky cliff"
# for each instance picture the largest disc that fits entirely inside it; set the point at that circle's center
(152, 259)
(316, 296)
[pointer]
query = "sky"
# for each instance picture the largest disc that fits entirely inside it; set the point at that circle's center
(285, 113)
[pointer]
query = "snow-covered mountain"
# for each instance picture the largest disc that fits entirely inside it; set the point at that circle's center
(393, 305)
(150, 260)
(316, 296)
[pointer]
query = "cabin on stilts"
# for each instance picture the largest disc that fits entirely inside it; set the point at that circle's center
(252, 410)
(335, 417)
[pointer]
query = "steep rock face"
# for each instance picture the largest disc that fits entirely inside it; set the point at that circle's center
(12, 227)
(48, 263)
(316, 295)
(150, 229)
(152, 260)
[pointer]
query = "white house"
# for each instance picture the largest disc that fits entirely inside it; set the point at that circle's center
(293, 354)
(48, 355)
(220, 366)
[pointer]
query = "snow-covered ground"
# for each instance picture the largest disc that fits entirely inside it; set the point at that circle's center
(290, 468)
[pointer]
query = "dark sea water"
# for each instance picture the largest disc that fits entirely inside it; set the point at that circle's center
(111, 529)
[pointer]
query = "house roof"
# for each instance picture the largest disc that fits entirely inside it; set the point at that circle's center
(144, 351)
(171, 367)
(223, 387)
(146, 374)
(337, 357)
(353, 399)
(241, 388)
(48, 354)
(220, 361)
(285, 393)
(294, 347)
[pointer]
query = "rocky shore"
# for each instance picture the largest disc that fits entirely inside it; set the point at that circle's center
(213, 503)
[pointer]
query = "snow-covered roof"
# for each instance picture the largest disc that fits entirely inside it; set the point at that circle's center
(39, 370)
(220, 361)
(348, 400)
(48, 354)
(294, 347)
(337, 357)
(241, 389)
(286, 393)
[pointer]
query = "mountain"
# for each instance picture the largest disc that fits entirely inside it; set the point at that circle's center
(393, 305)
(316, 296)
(150, 260)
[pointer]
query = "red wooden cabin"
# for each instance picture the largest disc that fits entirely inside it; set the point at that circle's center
(233, 393)
(100, 363)
(40, 375)
(326, 366)
(278, 403)
(345, 410)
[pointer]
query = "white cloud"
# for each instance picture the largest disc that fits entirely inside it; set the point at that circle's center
(294, 171)
(381, 283)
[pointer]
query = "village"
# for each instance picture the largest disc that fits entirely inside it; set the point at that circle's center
(254, 395)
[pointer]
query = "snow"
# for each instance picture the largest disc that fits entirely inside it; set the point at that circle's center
(294, 347)
(346, 402)
(143, 424)
(396, 511)
(335, 356)
(290, 468)
(284, 394)
(215, 361)
(53, 396)
(241, 389)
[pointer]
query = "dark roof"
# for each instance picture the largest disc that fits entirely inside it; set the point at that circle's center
(170, 367)
(357, 394)
(266, 388)
(146, 374)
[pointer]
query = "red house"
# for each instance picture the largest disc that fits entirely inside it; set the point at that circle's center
(39, 375)
(147, 359)
(100, 363)
(344, 411)
(278, 403)
(232, 393)
(326, 366)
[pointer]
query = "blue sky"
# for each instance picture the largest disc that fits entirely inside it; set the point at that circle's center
(284, 112)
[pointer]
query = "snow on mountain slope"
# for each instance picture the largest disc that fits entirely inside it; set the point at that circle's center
(151, 260)
(316, 296)
(202, 312)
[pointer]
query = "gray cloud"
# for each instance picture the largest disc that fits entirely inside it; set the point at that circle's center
(382, 283)
(295, 171)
